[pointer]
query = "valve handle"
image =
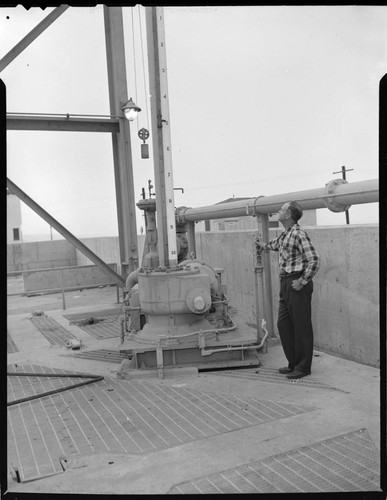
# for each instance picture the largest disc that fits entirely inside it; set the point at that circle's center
(143, 134)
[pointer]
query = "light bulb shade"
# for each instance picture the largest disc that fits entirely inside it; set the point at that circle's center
(130, 110)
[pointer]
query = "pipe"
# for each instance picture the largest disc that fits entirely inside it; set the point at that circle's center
(336, 196)
(208, 352)
(132, 280)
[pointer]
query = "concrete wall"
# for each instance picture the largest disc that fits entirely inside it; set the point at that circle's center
(69, 277)
(346, 288)
(107, 249)
(40, 255)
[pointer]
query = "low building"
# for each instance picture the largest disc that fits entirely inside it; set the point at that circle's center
(14, 219)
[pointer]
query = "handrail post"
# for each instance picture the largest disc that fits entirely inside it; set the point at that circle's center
(63, 294)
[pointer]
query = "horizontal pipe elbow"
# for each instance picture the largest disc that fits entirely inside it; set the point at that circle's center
(132, 279)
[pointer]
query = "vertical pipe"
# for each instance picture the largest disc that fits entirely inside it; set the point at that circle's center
(63, 294)
(191, 239)
(268, 290)
(259, 289)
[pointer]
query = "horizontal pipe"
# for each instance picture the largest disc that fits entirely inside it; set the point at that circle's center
(62, 124)
(208, 352)
(337, 199)
(64, 232)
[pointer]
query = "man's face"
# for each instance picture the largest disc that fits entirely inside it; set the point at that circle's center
(284, 212)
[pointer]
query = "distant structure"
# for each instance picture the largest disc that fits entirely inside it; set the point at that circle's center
(249, 223)
(14, 219)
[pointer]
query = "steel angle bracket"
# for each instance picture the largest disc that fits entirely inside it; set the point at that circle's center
(330, 201)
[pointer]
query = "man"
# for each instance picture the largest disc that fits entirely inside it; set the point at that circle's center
(298, 263)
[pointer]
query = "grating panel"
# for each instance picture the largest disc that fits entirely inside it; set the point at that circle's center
(101, 355)
(100, 313)
(124, 416)
(11, 346)
(34, 446)
(52, 330)
(345, 463)
(107, 327)
(23, 386)
(267, 374)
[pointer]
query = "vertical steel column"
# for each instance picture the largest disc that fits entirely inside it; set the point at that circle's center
(122, 154)
(267, 277)
(162, 150)
(157, 140)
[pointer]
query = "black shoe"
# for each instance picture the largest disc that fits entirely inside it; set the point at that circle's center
(285, 369)
(296, 374)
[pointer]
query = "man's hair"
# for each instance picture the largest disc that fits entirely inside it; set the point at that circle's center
(295, 210)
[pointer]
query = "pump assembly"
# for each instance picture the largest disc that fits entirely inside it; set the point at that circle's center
(179, 316)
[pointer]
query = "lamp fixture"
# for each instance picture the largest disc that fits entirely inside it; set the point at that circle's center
(130, 110)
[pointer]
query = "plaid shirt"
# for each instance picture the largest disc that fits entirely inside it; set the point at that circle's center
(296, 253)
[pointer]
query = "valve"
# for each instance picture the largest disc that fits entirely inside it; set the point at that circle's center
(257, 250)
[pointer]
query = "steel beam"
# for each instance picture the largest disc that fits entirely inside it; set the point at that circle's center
(64, 232)
(62, 124)
(32, 35)
(335, 196)
(122, 154)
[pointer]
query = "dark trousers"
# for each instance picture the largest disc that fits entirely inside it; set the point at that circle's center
(295, 324)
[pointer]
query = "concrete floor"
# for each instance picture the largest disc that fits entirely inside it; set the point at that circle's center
(344, 400)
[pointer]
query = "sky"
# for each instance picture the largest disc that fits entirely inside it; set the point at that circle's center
(264, 100)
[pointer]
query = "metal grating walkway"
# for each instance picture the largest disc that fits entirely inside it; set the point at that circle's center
(345, 463)
(267, 374)
(23, 386)
(124, 416)
(101, 355)
(107, 327)
(11, 346)
(55, 333)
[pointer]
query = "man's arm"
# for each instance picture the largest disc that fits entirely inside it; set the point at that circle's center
(270, 245)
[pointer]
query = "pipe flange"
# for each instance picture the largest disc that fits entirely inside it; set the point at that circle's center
(180, 215)
(330, 201)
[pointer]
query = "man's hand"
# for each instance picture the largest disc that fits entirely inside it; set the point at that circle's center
(296, 285)
(260, 244)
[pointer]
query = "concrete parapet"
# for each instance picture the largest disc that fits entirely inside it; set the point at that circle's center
(67, 277)
(345, 300)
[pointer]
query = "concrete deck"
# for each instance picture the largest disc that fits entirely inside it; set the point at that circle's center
(249, 430)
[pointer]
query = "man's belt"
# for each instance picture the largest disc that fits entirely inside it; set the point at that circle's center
(283, 274)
